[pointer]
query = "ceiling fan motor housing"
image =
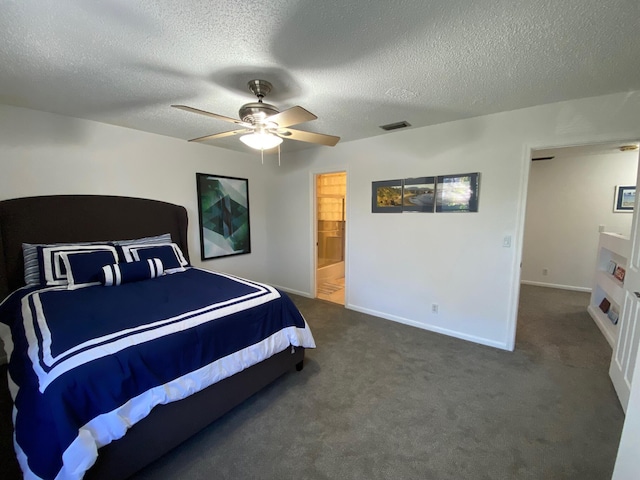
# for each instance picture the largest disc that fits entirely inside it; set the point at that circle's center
(256, 112)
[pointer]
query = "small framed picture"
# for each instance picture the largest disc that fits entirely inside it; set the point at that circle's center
(419, 194)
(605, 304)
(457, 193)
(612, 267)
(386, 196)
(625, 198)
(619, 273)
(613, 315)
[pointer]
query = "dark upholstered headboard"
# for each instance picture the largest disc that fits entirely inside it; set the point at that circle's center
(78, 218)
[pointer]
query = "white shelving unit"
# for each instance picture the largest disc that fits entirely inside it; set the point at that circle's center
(612, 247)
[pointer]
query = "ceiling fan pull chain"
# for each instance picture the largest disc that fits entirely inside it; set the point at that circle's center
(278, 155)
(262, 155)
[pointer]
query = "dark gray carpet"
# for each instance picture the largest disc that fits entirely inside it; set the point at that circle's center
(381, 400)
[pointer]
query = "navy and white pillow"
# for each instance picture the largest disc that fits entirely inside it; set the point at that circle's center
(32, 274)
(119, 273)
(84, 267)
(169, 253)
(30, 254)
(52, 268)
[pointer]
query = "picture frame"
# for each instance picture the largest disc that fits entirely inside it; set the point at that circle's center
(619, 273)
(419, 194)
(611, 268)
(386, 196)
(223, 215)
(458, 193)
(624, 198)
(613, 315)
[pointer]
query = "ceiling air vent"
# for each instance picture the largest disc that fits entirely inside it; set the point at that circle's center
(395, 126)
(542, 158)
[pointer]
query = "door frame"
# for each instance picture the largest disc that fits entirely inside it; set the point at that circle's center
(527, 151)
(313, 214)
(627, 454)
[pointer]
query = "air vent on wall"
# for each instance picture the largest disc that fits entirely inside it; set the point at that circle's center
(395, 126)
(542, 158)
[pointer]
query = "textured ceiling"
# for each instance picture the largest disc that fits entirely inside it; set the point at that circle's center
(355, 64)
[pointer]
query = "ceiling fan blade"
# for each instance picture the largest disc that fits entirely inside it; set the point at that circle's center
(221, 135)
(213, 115)
(292, 116)
(302, 136)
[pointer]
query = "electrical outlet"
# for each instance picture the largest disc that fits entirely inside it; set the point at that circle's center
(434, 308)
(545, 271)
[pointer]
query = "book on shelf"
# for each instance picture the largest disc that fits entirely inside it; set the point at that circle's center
(612, 267)
(613, 315)
(619, 273)
(605, 304)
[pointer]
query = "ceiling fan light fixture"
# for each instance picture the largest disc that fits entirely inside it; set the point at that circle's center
(261, 140)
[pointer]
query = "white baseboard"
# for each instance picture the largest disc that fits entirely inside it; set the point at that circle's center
(406, 321)
(291, 290)
(431, 328)
(555, 285)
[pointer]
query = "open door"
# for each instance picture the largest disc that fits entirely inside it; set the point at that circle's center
(627, 467)
(331, 194)
(623, 360)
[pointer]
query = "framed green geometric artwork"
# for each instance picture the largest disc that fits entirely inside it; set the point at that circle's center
(223, 212)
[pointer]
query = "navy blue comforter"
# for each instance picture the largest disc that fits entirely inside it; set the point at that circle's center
(88, 363)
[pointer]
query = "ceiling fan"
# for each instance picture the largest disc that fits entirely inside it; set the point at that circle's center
(263, 126)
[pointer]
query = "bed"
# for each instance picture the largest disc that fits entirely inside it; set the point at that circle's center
(94, 218)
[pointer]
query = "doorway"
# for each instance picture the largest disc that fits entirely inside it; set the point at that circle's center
(570, 201)
(331, 214)
(574, 231)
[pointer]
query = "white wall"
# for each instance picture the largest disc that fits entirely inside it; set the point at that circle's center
(46, 154)
(568, 198)
(399, 264)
